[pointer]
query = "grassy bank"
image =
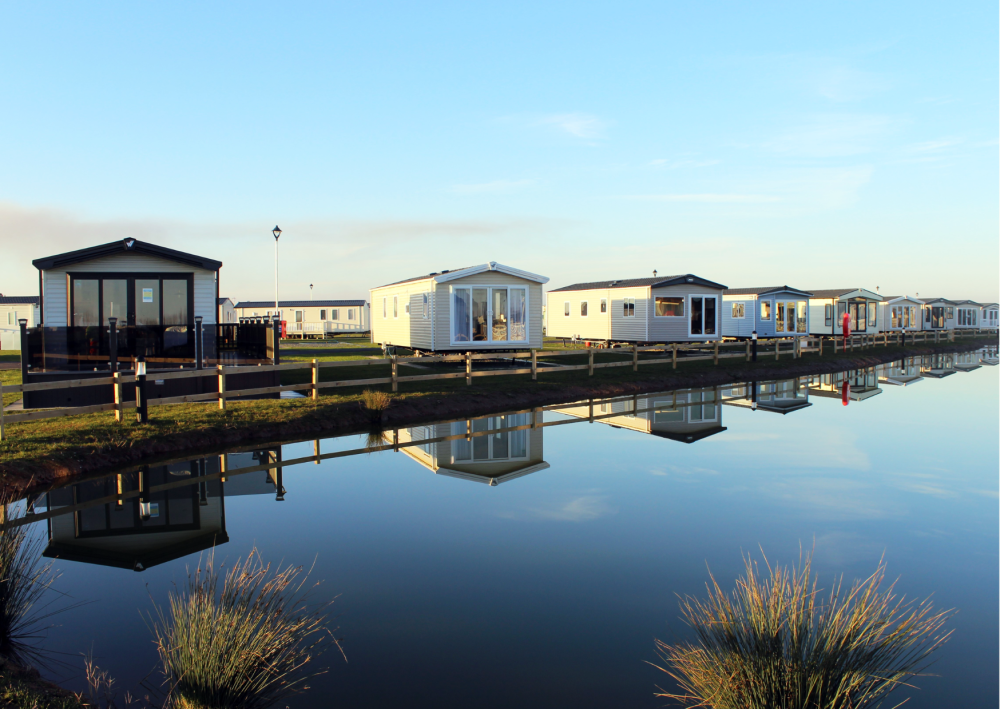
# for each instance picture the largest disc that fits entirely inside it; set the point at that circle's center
(43, 451)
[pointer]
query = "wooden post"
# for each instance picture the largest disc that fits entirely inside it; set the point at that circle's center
(316, 450)
(748, 350)
(222, 385)
(1, 412)
(590, 366)
(395, 440)
(534, 365)
(675, 355)
(119, 490)
(821, 345)
(315, 372)
(468, 369)
(635, 358)
(715, 357)
(777, 348)
(395, 374)
(223, 466)
(590, 417)
(116, 387)
(534, 417)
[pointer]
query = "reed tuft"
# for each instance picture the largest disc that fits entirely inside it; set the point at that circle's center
(24, 579)
(774, 642)
(245, 645)
(375, 402)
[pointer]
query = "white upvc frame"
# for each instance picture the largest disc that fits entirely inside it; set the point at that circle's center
(583, 303)
(742, 306)
(684, 303)
(690, 311)
(567, 308)
(794, 304)
(490, 287)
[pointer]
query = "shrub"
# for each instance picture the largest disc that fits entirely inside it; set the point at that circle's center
(775, 643)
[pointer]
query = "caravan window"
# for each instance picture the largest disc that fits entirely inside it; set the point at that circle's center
(583, 308)
(489, 314)
(765, 310)
(566, 309)
(322, 314)
(395, 306)
(604, 305)
(426, 304)
(828, 314)
(739, 311)
(628, 308)
(669, 307)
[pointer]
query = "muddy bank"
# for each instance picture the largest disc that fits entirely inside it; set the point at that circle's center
(24, 475)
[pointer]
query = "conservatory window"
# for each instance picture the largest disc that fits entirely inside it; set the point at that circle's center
(489, 315)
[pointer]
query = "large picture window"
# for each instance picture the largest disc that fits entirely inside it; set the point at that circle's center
(669, 306)
(503, 445)
(489, 314)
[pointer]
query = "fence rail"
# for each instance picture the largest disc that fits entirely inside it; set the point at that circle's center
(792, 346)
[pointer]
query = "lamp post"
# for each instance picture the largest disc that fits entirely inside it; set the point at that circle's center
(277, 232)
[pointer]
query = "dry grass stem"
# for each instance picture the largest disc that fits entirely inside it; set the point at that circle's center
(775, 642)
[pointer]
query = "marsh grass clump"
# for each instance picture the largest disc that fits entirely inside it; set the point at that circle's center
(777, 641)
(375, 403)
(24, 580)
(246, 645)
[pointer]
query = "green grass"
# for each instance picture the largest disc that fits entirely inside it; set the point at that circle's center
(779, 641)
(10, 377)
(23, 689)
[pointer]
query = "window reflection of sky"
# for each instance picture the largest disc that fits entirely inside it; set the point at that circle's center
(548, 590)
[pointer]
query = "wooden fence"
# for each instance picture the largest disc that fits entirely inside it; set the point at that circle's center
(794, 347)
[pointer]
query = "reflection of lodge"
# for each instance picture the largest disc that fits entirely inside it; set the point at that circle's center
(989, 356)
(861, 384)
(901, 373)
(967, 361)
(143, 518)
(780, 397)
(938, 366)
(686, 416)
(511, 449)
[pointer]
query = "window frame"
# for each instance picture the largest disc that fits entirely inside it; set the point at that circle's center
(395, 307)
(604, 306)
(685, 305)
(584, 308)
(716, 324)
(490, 288)
(628, 307)
(769, 305)
(741, 307)
(566, 308)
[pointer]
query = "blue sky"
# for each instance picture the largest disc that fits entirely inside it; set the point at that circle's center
(754, 144)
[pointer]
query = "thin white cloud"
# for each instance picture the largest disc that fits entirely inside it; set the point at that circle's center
(580, 509)
(709, 197)
(494, 187)
(578, 125)
(933, 145)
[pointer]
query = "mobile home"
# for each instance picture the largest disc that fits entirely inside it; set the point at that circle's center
(779, 397)
(967, 314)
(989, 315)
(227, 311)
(939, 314)
(486, 307)
(899, 313)
(13, 309)
(311, 318)
(682, 308)
(827, 308)
(775, 311)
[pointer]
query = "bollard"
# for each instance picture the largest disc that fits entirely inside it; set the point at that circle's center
(116, 388)
(199, 353)
(753, 396)
(113, 344)
(141, 405)
(753, 338)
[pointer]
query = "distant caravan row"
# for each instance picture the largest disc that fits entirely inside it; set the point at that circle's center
(493, 307)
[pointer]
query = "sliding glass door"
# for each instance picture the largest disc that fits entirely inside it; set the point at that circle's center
(489, 314)
(703, 315)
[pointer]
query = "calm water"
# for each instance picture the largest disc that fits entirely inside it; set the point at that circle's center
(535, 567)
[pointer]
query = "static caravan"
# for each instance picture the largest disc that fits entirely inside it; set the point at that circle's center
(683, 308)
(989, 315)
(685, 417)
(492, 458)
(779, 397)
(939, 314)
(491, 307)
(967, 315)
(776, 311)
(311, 318)
(899, 313)
(827, 308)
(12, 309)
(227, 311)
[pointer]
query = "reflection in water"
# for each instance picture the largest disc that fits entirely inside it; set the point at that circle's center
(451, 566)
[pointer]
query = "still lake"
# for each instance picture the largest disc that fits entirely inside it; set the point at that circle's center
(546, 586)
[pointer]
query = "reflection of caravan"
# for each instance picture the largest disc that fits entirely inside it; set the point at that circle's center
(162, 513)
(989, 356)
(938, 366)
(861, 384)
(967, 361)
(781, 397)
(680, 416)
(481, 450)
(901, 372)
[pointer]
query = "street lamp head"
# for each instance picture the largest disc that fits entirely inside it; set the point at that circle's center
(276, 231)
